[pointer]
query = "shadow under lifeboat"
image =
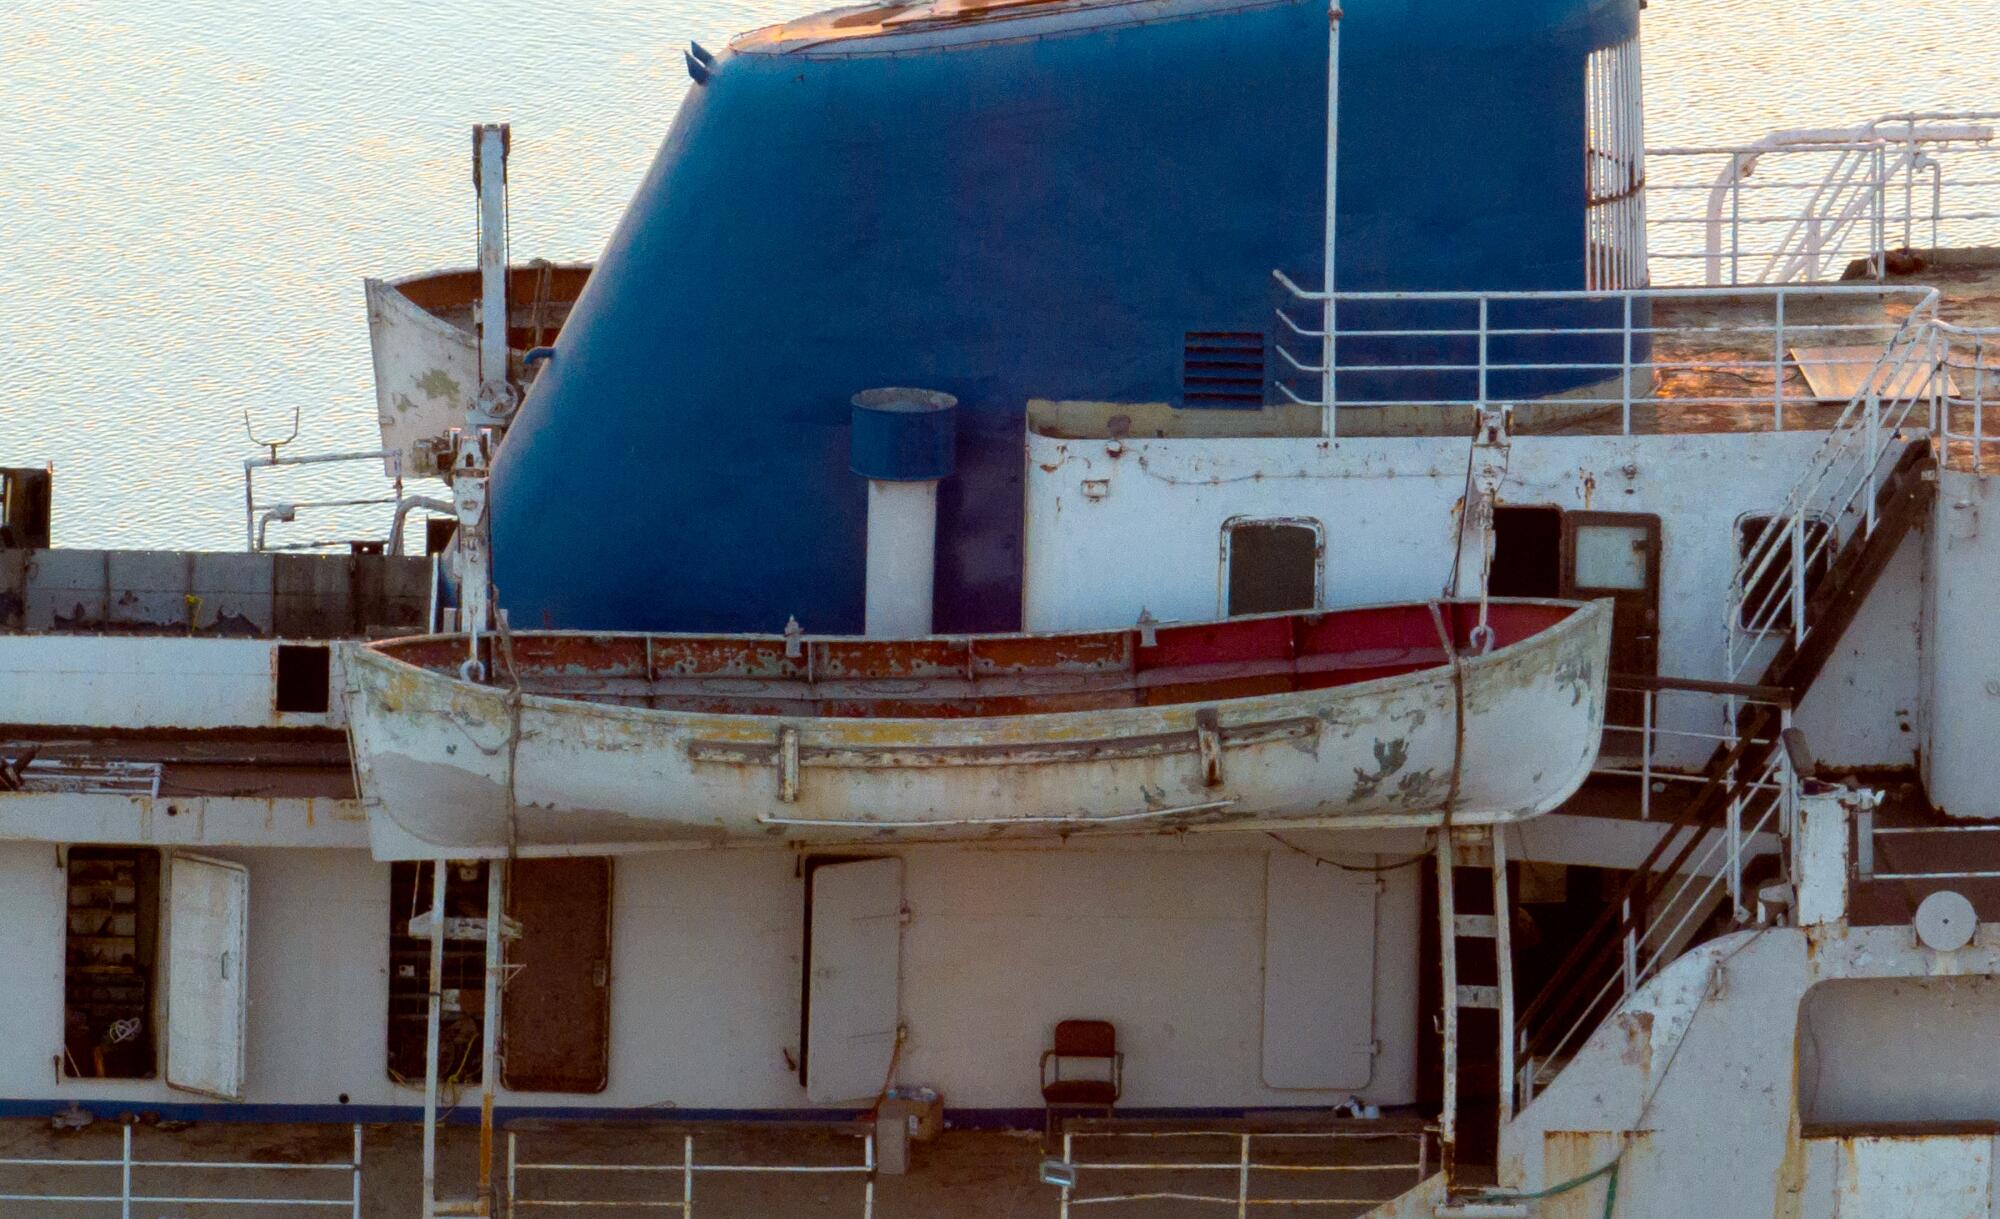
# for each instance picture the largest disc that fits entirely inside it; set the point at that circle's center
(1394, 715)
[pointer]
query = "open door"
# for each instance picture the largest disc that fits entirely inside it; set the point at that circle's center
(208, 935)
(1617, 555)
(556, 1012)
(854, 967)
(1319, 974)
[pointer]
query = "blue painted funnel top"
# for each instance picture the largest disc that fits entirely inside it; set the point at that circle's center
(1075, 199)
(904, 435)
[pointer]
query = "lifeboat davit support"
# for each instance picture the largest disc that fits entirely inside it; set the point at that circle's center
(1395, 715)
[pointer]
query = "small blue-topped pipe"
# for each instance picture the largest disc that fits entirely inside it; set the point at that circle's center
(903, 441)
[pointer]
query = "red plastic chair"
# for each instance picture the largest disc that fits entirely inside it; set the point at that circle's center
(1081, 1041)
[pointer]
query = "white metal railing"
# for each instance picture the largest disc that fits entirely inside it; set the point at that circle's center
(128, 1195)
(1649, 359)
(1803, 205)
(680, 1178)
(1835, 498)
(1968, 387)
(1241, 1169)
(1866, 832)
(260, 515)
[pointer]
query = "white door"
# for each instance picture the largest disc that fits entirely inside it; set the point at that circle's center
(208, 920)
(852, 1008)
(1319, 974)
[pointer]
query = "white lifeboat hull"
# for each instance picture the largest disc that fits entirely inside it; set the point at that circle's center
(615, 741)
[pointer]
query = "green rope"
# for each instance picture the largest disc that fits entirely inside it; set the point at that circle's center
(1610, 1169)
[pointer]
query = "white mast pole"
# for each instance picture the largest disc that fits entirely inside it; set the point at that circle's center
(1326, 352)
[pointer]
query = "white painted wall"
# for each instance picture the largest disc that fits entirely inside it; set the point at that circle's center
(1165, 940)
(116, 681)
(1963, 676)
(1116, 527)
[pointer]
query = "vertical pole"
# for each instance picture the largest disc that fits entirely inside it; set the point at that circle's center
(1943, 374)
(1329, 422)
(125, 1174)
(1448, 995)
(1483, 323)
(357, 1171)
(1069, 1158)
(1799, 578)
(489, 1026)
(1646, 705)
(431, 1036)
(687, 1176)
(1735, 854)
(1874, 408)
(1243, 1177)
(1778, 367)
(513, 1181)
(1625, 390)
(1735, 219)
(1503, 952)
(490, 177)
(868, 1182)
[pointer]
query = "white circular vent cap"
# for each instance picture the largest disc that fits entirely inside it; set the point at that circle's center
(1945, 921)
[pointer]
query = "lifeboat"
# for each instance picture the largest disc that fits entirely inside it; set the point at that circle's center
(1391, 715)
(425, 346)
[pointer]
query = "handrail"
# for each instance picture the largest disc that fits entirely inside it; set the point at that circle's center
(1836, 494)
(1853, 177)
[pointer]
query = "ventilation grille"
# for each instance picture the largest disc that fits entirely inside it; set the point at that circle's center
(1222, 368)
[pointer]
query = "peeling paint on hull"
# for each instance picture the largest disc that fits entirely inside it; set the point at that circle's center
(1127, 748)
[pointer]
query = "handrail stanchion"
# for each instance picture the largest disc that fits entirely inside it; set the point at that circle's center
(1625, 373)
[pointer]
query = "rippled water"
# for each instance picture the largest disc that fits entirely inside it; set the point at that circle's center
(191, 193)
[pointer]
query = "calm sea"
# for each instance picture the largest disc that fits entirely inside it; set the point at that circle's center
(191, 192)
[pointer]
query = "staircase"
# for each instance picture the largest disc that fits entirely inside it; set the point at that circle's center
(1798, 588)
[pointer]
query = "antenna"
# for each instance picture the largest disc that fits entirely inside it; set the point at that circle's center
(272, 445)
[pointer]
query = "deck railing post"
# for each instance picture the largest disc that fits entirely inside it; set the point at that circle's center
(356, 1183)
(1873, 406)
(1798, 577)
(1778, 366)
(687, 1176)
(1483, 316)
(1243, 1176)
(1625, 390)
(513, 1158)
(1735, 219)
(1646, 712)
(125, 1174)
(1069, 1158)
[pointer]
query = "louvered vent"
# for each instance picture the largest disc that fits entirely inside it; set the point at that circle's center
(1222, 368)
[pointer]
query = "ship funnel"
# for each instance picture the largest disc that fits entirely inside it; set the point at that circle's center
(904, 444)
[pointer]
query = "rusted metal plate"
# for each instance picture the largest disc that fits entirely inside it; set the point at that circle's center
(556, 1014)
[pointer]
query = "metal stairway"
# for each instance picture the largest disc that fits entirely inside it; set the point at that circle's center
(1799, 586)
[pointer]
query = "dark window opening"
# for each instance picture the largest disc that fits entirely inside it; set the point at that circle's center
(304, 677)
(1274, 566)
(464, 983)
(1222, 368)
(109, 962)
(1767, 605)
(1527, 552)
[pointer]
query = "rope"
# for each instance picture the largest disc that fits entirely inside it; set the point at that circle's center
(1350, 867)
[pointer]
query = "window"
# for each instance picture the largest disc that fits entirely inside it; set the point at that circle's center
(303, 677)
(109, 962)
(464, 987)
(1222, 368)
(1767, 605)
(1614, 169)
(1272, 565)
